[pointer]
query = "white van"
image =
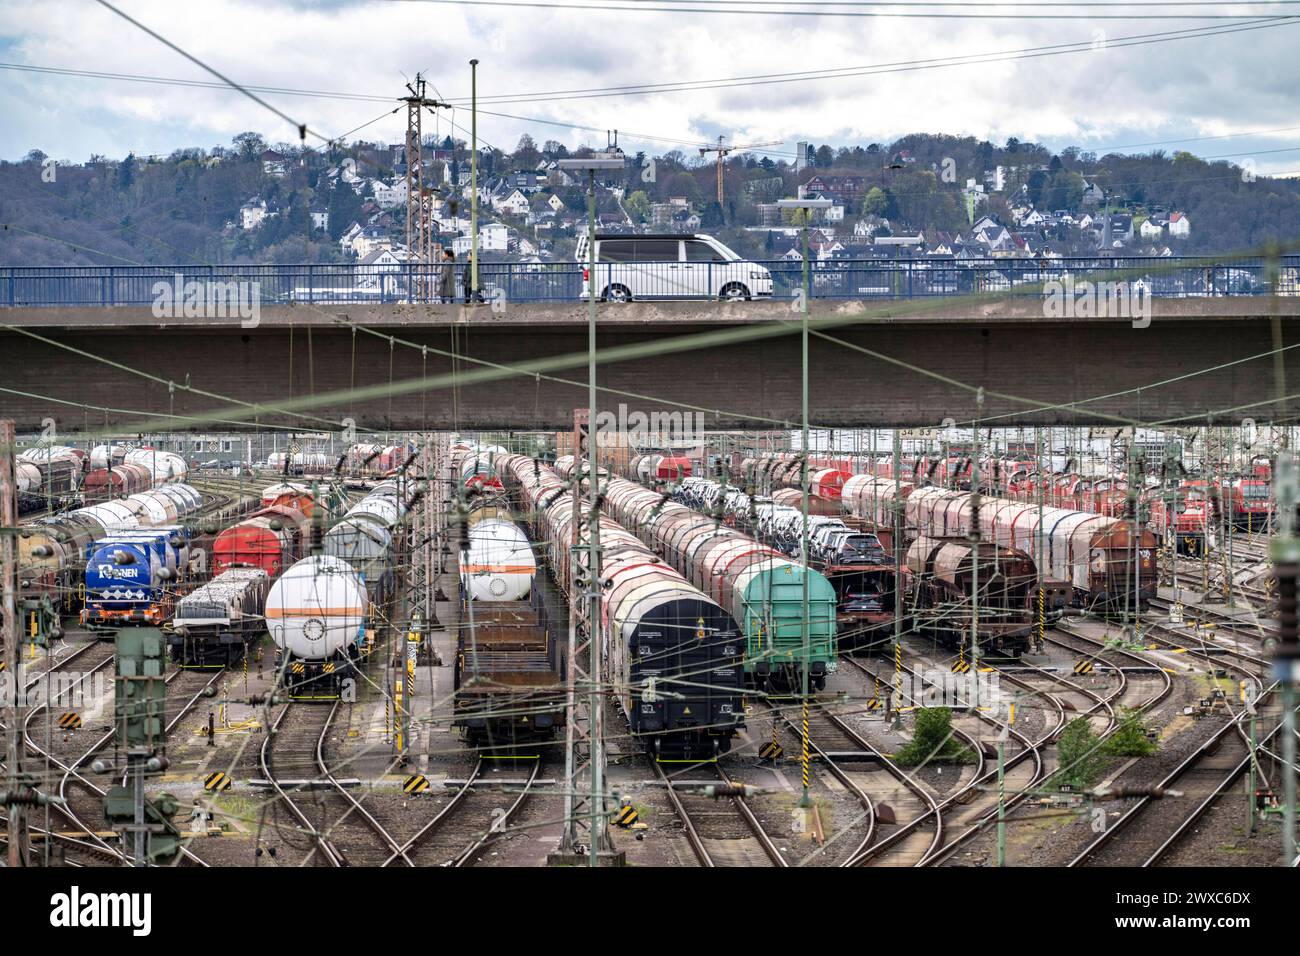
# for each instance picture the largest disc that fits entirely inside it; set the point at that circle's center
(670, 267)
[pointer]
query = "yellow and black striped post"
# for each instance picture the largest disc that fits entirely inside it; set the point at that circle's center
(1042, 617)
(398, 717)
(803, 757)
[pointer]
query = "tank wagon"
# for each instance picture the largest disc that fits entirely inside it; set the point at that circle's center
(270, 539)
(48, 477)
(165, 467)
(943, 572)
(320, 619)
(647, 468)
(215, 624)
(675, 653)
(364, 538)
(759, 586)
(131, 577)
(496, 560)
(479, 468)
(52, 551)
(120, 481)
(510, 669)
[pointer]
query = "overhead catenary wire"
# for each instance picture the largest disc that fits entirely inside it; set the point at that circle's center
(813, 10)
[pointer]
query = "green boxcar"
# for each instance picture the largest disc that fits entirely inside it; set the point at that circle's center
(771, 601)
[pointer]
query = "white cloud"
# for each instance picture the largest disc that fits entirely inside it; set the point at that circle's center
(1113, 97)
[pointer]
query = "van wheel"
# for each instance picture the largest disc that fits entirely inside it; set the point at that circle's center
(734, 292)
(617, 293)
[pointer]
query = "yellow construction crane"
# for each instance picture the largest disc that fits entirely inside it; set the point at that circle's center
(722, 152)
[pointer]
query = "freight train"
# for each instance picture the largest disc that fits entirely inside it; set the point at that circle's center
(854, 561)
(760, 587)
(216, 623)
(48, 478)
(944, 571)
(325, 610)
(110, 484)
(132, 576)
(1090, 560)
(52, 551)
(675, 653)
(511, 664)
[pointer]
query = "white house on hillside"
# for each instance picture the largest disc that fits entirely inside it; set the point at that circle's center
(389, 195)
(252, 213)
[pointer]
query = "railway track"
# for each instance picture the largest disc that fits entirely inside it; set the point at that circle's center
(1200, 778)
(72, 777)
(825, 728)
(315, 803)
(958, 815)
(711, 830)
(1152, 825)
(464, 826)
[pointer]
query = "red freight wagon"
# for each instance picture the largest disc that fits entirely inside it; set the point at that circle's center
(120, 481)
(271, 540)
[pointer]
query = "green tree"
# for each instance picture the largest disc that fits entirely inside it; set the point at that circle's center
(126, 172)
(1130, 737)
(933, 740)
(1078, 749)
(875, 202)
(638, 205)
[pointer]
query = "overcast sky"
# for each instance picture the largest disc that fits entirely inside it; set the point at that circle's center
(1108, 97)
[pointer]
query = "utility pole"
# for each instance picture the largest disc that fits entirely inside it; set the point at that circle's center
(419, 201)
(975, 544)
(472, 295)
(14, 783)
(1285, 551)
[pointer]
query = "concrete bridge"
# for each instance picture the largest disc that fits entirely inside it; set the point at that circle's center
(907, 363)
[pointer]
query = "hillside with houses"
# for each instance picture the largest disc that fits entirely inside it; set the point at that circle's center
(923, 195)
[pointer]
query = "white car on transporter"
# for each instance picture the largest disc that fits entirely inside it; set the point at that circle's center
(670, 267)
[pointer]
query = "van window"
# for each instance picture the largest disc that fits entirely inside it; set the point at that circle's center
(697, 251)
(615, 250)
(656, 250)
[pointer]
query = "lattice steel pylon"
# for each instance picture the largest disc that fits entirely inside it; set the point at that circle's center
(584, 755)
(427, 532)
(419, 199)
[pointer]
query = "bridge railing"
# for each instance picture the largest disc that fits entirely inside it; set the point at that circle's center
(168, 289)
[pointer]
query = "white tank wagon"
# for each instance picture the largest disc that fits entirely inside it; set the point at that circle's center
(215, 624)
(498, 564)
(364, 539)
(166, 466)
(104, 456)
(317, 615)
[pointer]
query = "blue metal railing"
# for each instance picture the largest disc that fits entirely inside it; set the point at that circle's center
(910, 278)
